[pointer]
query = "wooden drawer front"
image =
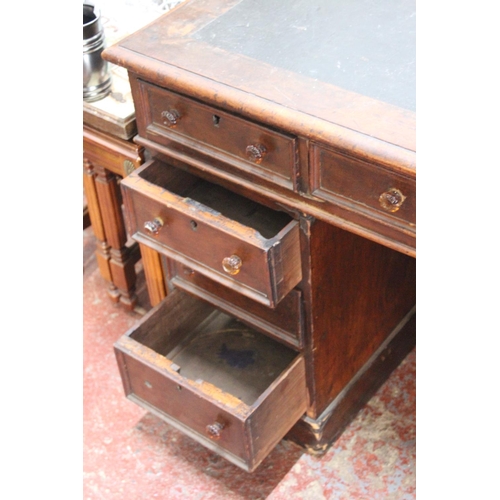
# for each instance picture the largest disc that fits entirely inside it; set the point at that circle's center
(229, 387)
(219, 134)
(204, 225)
(353, 183)
(285, 322)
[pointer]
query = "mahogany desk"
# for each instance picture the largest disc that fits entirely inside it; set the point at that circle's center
(281, 193)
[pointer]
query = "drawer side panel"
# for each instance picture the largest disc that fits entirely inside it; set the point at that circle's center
(278, 410)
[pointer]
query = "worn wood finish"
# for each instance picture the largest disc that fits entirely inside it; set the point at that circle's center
(106, 159)
(203, 224)
(159, 372)
(331, 179)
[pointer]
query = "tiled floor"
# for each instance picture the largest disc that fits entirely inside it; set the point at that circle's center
(130, 454)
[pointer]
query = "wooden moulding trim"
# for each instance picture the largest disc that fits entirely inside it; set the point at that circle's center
(262, 110)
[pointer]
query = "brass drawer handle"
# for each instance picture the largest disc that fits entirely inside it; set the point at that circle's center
(170, 117)
(232, 265)
(392, 200)
(153, 226)
(255, 152)
(214, 430)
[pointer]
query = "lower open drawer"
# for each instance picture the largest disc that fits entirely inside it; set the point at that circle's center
(226, 385)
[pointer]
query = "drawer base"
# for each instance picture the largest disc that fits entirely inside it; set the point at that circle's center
(317, 435)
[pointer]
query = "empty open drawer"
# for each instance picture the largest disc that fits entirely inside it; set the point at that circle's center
(226, 385)
(233, 240)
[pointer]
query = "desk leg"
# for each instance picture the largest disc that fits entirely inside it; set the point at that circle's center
(122, 258)
(154, 275)
(102, 248)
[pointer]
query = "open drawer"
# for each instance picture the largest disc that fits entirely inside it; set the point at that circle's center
(233, 240)
(231, 388)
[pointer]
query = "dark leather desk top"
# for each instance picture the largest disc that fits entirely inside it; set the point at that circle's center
(363, 46)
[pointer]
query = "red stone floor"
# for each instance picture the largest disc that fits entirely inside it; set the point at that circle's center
(129, 454)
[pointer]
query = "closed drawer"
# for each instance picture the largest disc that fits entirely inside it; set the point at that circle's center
(285, 322)
(356, 184)
(238, 243)
(229, 387)
(245, 145)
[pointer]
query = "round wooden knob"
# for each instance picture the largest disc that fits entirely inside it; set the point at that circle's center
(153, 226)
(214, 430)
(170, 117)
(255, 152)
(232, 265)
(392, 200)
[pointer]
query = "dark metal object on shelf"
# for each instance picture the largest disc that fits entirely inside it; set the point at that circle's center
(96, 75)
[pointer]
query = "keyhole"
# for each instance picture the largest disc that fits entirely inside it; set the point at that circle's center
(194, 225)
(216, 120)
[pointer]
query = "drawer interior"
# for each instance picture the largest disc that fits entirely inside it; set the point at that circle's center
(215, 198)
(222, 351)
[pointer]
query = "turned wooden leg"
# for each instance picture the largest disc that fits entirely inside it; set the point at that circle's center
(153, 273)
(122, 258)
(102, 248)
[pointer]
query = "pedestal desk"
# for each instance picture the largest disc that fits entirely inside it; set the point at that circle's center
(281, 194)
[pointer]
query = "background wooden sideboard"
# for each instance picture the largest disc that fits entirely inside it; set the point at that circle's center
(109, 155)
